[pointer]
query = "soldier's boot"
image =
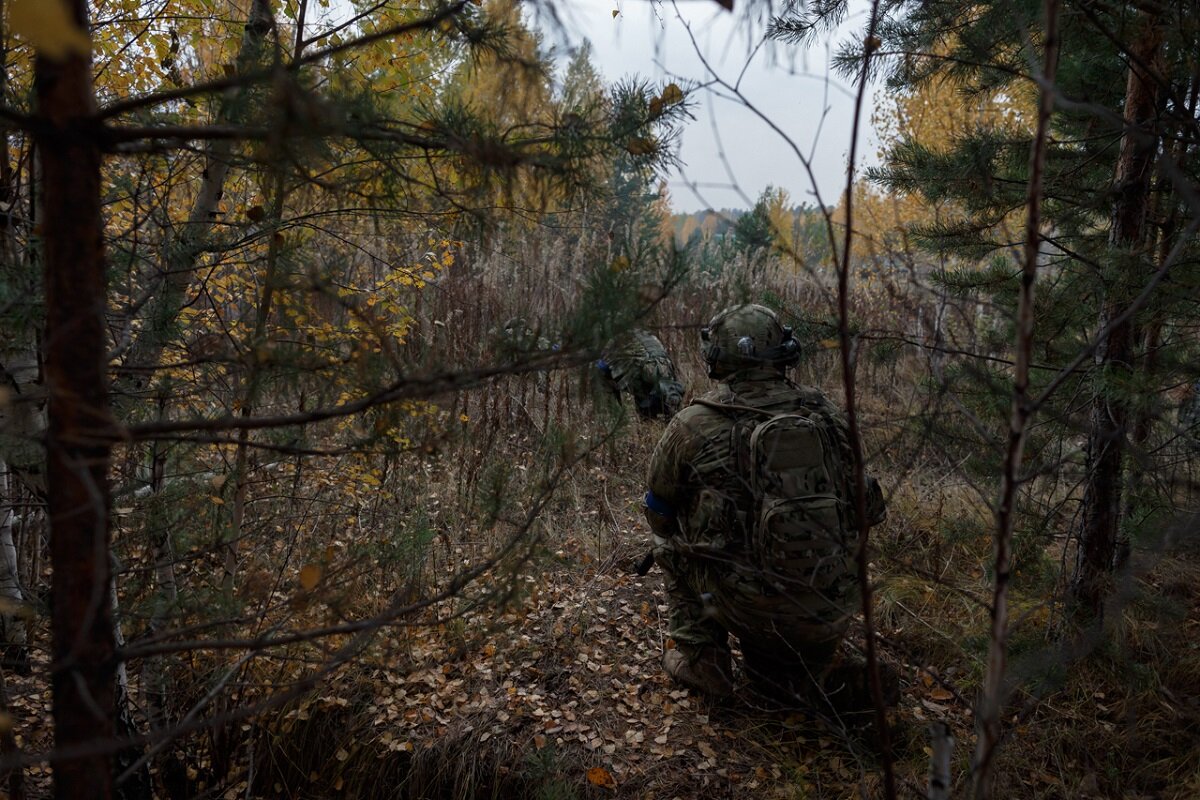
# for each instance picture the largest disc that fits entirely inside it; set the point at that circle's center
(707, 669)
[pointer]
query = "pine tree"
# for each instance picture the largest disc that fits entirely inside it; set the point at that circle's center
(1117, 210)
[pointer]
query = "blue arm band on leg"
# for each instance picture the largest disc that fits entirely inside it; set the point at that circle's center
(658, 505)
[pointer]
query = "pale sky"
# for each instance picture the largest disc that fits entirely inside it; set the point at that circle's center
(730, 154)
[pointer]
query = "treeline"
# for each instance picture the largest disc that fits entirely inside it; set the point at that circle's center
(772, 227)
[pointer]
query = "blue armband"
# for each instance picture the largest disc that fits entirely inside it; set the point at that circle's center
(659, 506)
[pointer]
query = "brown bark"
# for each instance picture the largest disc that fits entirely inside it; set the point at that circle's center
(78, 440)
(1114, 356)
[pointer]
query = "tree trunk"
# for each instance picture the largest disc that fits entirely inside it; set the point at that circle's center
(15, 643)
(19, 411)
(80, 434)
(179, 254)
(13, 776)
(1110, 408)
(132, 770)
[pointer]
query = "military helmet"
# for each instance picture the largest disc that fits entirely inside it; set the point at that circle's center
(747, 336)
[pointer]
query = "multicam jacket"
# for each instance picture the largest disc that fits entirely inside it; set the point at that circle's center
(639, 365)
(695, 478)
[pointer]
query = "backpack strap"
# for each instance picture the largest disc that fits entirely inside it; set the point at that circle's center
(731, 408)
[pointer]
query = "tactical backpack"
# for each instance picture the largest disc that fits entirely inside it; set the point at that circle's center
(797, 522)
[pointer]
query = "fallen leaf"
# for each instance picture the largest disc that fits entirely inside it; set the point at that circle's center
(310, 576)
(599, 776)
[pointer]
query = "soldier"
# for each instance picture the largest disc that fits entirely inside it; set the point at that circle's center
(518, 337)
(638, 364)
(749, 503)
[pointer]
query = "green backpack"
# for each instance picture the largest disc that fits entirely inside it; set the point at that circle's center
(797, 525)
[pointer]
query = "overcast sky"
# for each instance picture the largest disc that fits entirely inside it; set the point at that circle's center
(730, 154)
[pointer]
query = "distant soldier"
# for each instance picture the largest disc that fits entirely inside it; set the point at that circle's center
(750, 503)
(638, 365)
(518, 337)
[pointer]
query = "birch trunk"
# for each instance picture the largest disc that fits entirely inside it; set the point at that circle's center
(179, 255)
(12, 599)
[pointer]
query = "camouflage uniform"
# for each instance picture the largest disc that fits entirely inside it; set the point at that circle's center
(516, 337)
(638, 365)
(697, 505)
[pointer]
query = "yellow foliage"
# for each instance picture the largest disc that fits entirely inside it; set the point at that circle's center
(49, 27)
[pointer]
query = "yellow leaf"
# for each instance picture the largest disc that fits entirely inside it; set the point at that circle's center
(616, 11)
(672, 94)
(620, 264)
(217, 501)
(49, 27)
(599, 776)
(310, 576)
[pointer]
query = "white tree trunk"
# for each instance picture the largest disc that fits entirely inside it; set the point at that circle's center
(12, 599)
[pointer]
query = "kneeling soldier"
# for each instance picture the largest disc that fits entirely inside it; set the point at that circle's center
(750, 502)
(638, 365)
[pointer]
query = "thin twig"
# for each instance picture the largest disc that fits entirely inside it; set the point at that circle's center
(848, 358)
(992, 698)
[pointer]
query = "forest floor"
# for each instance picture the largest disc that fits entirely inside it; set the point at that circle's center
(561, 695)
(564, 696)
